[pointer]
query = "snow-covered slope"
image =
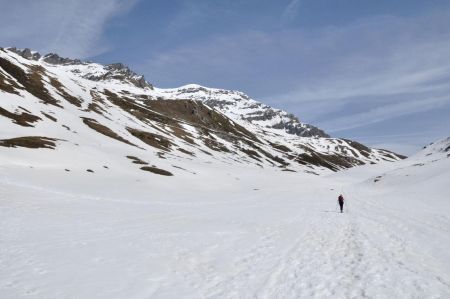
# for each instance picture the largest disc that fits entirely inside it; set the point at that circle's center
(87, 209)
(233, 232)
(426, 173)
(239, 106)
(69, 105)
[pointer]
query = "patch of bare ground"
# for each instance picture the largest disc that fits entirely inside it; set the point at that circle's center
(95, 104)
(252, 154)
(195, 113)
(208, 122)
(29, 142)
(364, 150)
(186, 152)
(146, 115)
(140, 112)
(174, 166)
(333, 162)
(24, 119)
(181, 133)
(8, 85)
(26, 110)
(157, 170)
(31, 81)
(94, 125)
(178, 167)
(346, 151)
(213, 144)
(280, 147)
(154, 140)
(200, 115)
(49, 116)
(60, 88)
(392, 155)
(277, 159)
(206, 152)
(136, 160)
(311, 172)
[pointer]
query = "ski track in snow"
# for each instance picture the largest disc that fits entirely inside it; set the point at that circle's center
(278, 244)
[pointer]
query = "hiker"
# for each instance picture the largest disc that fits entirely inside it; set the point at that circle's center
(341, 202)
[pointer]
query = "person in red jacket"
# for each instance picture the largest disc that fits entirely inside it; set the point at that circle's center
(341, 202)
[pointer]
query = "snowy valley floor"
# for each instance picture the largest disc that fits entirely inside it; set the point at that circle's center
(235, 233)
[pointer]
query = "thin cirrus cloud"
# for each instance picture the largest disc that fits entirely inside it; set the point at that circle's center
(345, 71)
(69, 27)
(338, 77)
(291, 11)
(386, 111)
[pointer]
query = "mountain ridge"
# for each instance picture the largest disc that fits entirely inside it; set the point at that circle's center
(181, 124)
(211, 96)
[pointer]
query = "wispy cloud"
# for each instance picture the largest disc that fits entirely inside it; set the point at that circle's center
(291, 11)
(383, 112)
(358, 74)
(70, 27)
(383, 66)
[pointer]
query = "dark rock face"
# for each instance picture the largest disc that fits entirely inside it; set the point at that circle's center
(305, 130)
(121, 72)
(53, 58)
(290, 123)
(117, 71)
(26, 53)
(292, 126)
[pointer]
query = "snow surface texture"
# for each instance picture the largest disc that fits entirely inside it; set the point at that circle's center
(234, 232)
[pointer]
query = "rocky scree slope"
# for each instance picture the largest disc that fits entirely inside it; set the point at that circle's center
(64, 104)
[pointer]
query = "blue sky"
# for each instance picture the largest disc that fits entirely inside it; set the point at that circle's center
(374, 71)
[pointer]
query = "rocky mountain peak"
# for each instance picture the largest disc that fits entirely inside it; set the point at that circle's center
(118, 71)
(26, 53)
(240, 106)
(122, 72)
(186, 123)
(53, 58)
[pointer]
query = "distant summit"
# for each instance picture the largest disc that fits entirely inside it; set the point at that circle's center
(238, 105)
(117, 71)
(67, 105)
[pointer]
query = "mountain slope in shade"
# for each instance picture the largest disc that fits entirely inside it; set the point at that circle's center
(110, 111)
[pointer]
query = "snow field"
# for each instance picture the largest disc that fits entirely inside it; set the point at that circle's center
(230, 233)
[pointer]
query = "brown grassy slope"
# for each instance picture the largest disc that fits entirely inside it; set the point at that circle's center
(24, 119)
(93, 124)
(29, 142)
(157, 170)
(32, 81)
(197, 114)
(60, 88)
(154, 140)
